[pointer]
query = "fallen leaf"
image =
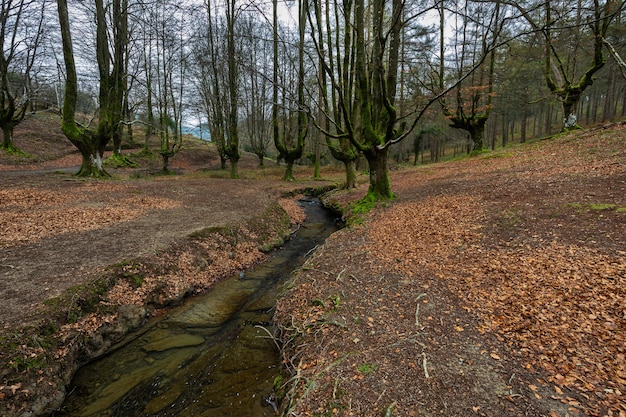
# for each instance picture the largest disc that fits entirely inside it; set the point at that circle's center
(493, 355)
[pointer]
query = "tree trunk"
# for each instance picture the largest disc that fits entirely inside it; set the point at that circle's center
(318, 153)
(380, 187)
(234, 170)
(350, 173)
(288, 175)
(7, 138)
(523, 127)
(92, 152)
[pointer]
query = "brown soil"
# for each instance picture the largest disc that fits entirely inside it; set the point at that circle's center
(492, 286)
(85, 261)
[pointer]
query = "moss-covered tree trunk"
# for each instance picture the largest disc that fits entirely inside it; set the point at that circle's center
(475, 126)
(7, 138)
(91, 143)
(290, 152)
(376, 84)
(380, 186)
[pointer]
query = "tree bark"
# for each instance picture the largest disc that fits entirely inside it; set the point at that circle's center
(380, 186)
(91, 144)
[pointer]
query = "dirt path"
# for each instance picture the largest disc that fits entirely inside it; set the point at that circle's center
(491, 286)
(61, 231)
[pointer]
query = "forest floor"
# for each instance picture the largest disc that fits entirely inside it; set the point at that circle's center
(493, 285)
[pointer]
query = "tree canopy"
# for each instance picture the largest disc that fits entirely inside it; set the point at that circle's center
(273, 78)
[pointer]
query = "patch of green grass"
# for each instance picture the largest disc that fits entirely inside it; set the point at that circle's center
(479, 152)
(120, 161)
(80, 300)
(512, 218)
(336, 300)
(317, 303)
(601, 206)
(131, 272)
(498, 155)
(21, 364)
(367, 368)
(581, 208)
(365, 205)
(362, 207)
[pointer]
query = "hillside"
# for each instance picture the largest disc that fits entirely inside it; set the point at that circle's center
(492, 285)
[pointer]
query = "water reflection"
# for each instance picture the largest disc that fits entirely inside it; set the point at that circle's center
(210, 357)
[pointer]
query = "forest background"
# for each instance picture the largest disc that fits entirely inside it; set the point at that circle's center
(312, 82)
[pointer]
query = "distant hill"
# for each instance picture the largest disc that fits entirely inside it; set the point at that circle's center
(201, 132)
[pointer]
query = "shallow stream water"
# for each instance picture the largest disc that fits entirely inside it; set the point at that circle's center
(211, 356)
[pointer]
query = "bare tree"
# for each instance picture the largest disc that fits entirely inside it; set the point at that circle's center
(571, 33)
(21, 36)
(256, 106)
(111, 42)
(290, 149)
(475, 34)
(334, 47)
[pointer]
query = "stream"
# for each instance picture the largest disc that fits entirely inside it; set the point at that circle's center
(211, 356)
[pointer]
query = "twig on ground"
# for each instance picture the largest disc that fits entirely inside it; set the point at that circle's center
(270, 335)
(380, 396)
(426, 375)
(417, 311)
(311, 251)
(339, 276)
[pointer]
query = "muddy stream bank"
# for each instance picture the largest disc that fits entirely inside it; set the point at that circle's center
(212, 356)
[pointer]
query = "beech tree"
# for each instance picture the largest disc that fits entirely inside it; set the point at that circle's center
(21, 38)
(290, 149)
(335, 70)
(217, 73)
(111, 42)
(571, 34)
(256, 94)
(170, 68)
(360, 48)
(476, 32)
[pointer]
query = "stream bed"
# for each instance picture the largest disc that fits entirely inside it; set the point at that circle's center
(211, 356)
